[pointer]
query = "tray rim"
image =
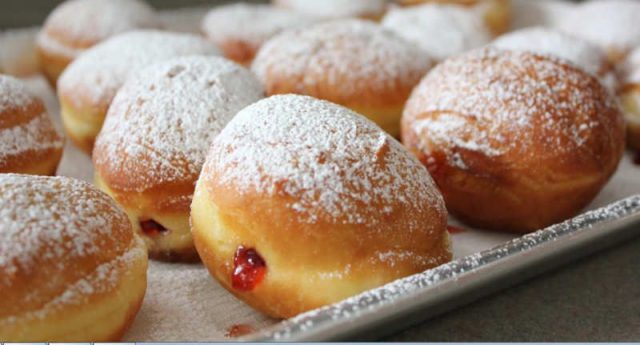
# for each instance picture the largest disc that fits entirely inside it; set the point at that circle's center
(387, 304)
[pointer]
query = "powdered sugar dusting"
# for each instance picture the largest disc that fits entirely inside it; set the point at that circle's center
(251, 24)
(481, 101)
(13, 94)
(163, 120)
(331, 160)
(349, 55)
(336, 8)
(93, 79)
(440, 30)
(77, 24)
(610, 24)
(53, 218)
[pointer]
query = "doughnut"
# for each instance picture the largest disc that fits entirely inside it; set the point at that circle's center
(72, 268)
(496, 13)
(29, 142)
(516, 141)
(366, 9)
(546, 13)
(18, 55)
(582, 53)
(354, 63)
(440, 30)
(609, 24)
(77, 25)
(88, 85)
(630, 97)
(240, 29)
(302, 203)
(155, 140)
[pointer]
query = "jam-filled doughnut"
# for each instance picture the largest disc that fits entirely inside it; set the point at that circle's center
(72, 268)
(630, 97)
(496, 13)
(609, 24)
(76, 25)
(303, 203)
(155, 140)
(367, 9)
(88, 85)
(516, 141)
(440, 30)
(354, 63)
(583, 53)
(29, 142)
(240, 29)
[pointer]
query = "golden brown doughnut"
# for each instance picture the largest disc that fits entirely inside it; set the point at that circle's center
(440, 30)
(354, 63)
(609, 24)
(29, 143)
(496, 13)
(516, 141)
(303, 203)
(366, 9)
(241, 29)
(88, 85)
(155, 139)
(76, 25)
(72, 268)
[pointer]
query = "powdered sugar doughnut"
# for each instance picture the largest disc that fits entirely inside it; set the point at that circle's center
(440, 30)
(88, 85)
(516, 141)
(609, 24)
(76, 25)
(303, 203)
(240, 29)
(72, 268)
(548, 41)
(18, 55)
(371, 9)
(155, 140)
(355, 63)
(29, 142)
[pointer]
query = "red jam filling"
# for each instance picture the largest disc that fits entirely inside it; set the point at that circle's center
(636, 158)
(151, 228)
(238, 331)
(249, 269)
(454, 229)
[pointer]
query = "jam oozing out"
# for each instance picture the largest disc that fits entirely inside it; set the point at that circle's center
(636, 158)
(152, 228)
(238, 331)
(249, 269)
(454, 229)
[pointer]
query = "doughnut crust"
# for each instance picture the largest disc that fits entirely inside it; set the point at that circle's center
(76, 25)
(155, 140)
(72, 268)
(241, 29)
(88, 85)
(354, 63)
(332, 204)
(516, 141)
(29, 143)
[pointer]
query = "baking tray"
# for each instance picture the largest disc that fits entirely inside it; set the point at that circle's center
(183, 303)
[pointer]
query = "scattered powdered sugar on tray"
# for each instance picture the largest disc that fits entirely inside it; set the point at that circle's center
(329, 159)
(483, 100)
(440, 30)
(93, 79)
(251, 24)
(349, 55)
(78, 24)
(609, 24)
(162, 121)
(336, 8)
